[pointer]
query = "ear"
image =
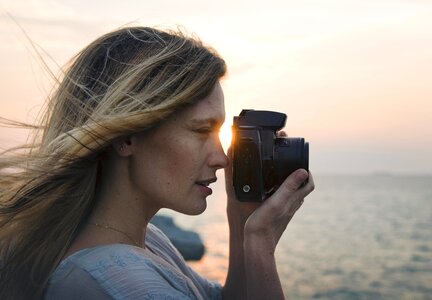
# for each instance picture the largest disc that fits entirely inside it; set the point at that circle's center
(123, 146)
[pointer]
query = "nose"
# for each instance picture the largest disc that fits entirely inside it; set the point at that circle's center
(218, 159)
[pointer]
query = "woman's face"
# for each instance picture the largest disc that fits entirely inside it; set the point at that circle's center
(173, 165)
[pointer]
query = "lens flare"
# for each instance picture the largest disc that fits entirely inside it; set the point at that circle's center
(225, 136)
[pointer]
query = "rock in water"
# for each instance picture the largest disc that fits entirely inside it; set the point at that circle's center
(188, 243)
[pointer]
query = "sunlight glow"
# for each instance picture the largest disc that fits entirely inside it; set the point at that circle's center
(225, 135)
(349, 77)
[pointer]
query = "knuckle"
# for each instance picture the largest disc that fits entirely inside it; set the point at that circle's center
(300, 203)
(273, 207)
(311, 187)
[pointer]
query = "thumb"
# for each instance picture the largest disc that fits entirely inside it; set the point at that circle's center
(228, 168)
(293, 182)
(229, 176)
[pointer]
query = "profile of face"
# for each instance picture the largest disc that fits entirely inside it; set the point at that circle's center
(172, 165)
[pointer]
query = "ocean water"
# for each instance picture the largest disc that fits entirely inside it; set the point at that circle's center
(355, 237)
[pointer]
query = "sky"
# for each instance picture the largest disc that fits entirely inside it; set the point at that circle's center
(354, 77)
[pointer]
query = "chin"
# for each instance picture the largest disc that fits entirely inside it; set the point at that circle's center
(199, 207)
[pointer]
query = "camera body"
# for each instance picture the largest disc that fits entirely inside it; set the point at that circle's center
(261, 159)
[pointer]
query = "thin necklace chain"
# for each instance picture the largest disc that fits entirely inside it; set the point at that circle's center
(116, 230)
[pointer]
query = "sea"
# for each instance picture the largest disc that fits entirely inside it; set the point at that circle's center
(355, 237)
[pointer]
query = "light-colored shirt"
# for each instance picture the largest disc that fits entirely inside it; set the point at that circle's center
(120, 271)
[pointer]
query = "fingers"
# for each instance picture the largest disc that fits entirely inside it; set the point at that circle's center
(228, 168)
(293, 182)
(291, 192)
(272, 217)
(309, 187)
(282, 134)
(229, 176)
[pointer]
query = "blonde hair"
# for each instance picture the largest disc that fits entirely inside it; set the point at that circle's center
(126, 81)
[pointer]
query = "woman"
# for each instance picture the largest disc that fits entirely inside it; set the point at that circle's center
(132, 128)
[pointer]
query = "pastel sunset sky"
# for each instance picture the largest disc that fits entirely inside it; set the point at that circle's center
(354, 77)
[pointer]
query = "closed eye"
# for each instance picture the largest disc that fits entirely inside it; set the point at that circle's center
(206, 126)
(207, 130)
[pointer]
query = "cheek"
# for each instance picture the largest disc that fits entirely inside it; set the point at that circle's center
(181, 164)
(171, 167)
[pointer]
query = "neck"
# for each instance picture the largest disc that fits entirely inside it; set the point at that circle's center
(119, 204)
(121, 214)
(125, 234)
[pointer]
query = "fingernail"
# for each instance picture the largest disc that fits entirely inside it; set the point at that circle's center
(302, 175)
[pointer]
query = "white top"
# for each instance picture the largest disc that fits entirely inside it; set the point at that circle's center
(120, 271)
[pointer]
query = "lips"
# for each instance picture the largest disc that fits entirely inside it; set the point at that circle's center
(203, 185)
(206, 182)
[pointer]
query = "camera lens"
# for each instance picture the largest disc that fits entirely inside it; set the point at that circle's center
(290, 154)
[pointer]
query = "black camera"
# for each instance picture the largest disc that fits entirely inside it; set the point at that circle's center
(261, 159)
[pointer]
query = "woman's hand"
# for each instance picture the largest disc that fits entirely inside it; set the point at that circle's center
(255, 230)
(267, 220)
(267, 223)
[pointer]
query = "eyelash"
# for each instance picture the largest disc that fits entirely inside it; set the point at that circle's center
(206, 130)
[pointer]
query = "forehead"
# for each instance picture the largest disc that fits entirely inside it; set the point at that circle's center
(211, 107)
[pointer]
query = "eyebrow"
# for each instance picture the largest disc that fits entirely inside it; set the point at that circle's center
(211, 121)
